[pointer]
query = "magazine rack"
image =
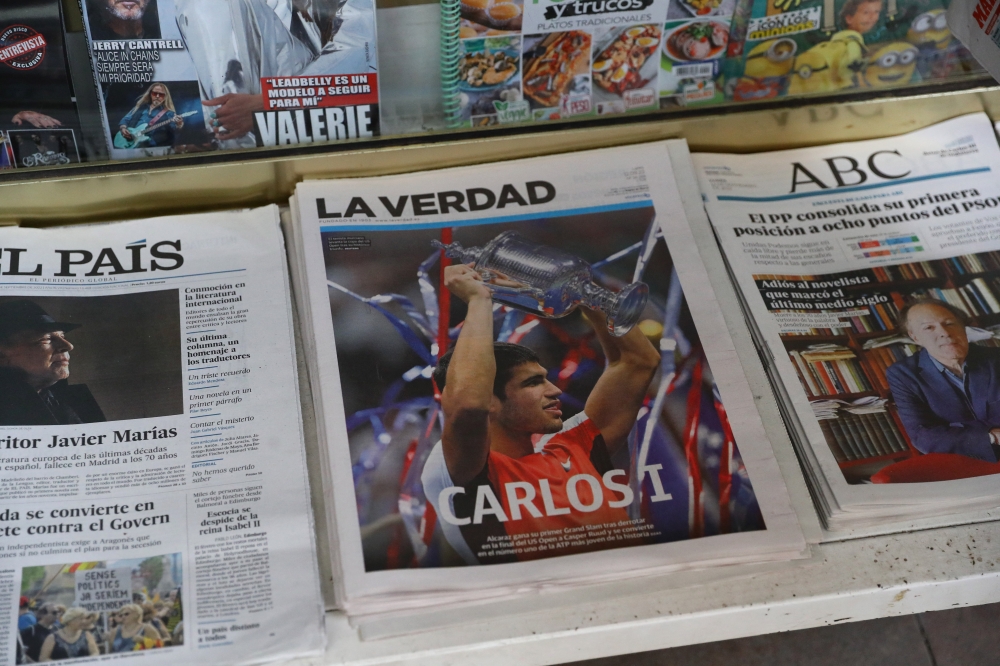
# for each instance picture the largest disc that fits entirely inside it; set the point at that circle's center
(857, 576)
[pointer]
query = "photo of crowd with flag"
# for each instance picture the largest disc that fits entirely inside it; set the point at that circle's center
(52, 594)
(682, 426)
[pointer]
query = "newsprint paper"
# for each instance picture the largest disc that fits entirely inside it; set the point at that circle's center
(153, 498)
(977, 24)
(871, 271)
(557, 404)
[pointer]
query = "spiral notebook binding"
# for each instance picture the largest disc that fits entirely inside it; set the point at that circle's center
(450, 54)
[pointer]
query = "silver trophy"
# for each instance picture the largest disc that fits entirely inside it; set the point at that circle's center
(551, 283)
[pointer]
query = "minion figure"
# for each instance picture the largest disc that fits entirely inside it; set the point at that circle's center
(765, 70)
(937, 56)
(890, 64)
(930, 29)
(829, 66)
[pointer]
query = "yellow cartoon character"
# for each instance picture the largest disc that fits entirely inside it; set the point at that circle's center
(765, 70)
(891, 64)
(829, 66)
(772, 58)
(930, 29)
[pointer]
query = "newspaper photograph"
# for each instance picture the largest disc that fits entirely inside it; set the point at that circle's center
(872, 270)
(145, 505)
(521, 375)
(182, 76)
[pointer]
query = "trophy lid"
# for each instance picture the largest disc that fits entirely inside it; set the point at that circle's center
(627, 308)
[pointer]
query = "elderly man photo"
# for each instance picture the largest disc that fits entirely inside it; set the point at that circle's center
(34, 370)
(33, 637)
(123, 19)
(947, 395)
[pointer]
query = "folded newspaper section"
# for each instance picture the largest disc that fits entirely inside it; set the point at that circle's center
(871, 271)
(146, 504)
(522, 375)
(190, 76)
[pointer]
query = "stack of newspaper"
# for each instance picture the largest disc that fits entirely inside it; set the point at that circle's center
(522, 375)
(884, 250)
(153, 495)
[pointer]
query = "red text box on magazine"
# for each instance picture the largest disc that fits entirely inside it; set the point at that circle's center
(314, 92)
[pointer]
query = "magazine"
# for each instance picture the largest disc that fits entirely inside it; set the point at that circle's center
(694, 51)
(871, 274)
(153, 494)
(975, 23)
(521, 374)
(828, 46)
(189, 76)
(508, 61)
(39, 125)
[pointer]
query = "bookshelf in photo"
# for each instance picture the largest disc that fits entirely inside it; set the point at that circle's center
(843, 369)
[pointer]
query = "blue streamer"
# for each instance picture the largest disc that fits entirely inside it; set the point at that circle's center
(648, 245)
(427, 290)
(411, 339)
(511, 321)
(672, 316)
(618, 255)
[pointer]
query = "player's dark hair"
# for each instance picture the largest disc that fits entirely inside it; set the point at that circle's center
(508, 356)
(904, 314)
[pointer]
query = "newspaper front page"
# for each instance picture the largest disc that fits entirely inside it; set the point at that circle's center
(153, 501)
(872, 273)
(522, 375)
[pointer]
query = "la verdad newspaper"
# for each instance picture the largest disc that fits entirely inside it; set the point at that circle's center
(153, 497)
(871, 274)
(522, 377)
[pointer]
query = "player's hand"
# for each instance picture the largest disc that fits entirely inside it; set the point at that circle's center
(596, 318)
(233, 116)
(463, 281)
(178, 121)
(35, 119)
(125, 132)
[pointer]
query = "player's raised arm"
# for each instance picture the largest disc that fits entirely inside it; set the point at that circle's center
(616, 398)
(468, 390)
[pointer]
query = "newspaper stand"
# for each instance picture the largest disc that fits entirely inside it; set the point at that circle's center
(852, 576)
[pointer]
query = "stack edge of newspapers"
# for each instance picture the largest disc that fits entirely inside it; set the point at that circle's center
(870, 275)
(523, 377)
(153, 499)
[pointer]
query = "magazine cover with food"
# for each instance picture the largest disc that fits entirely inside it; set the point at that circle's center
(695, 42)
(558, 59)
(796, 48)
(519, 372)
(181, 76)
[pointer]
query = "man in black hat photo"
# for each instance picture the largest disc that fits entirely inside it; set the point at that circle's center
(34, 370)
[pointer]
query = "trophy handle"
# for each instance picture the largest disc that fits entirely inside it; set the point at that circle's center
(458, 253)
